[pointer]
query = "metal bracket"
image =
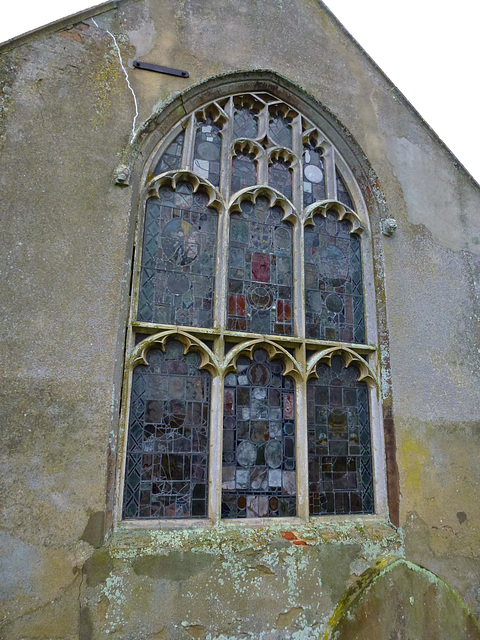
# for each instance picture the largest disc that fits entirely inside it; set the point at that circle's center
(159, 69)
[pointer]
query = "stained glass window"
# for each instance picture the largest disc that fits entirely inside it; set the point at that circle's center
(313, 176)
(207, 151)
(244, 171)
(260, 285)
(225, 276)
(172, 156)
(339, 449)
(333, 281)
(280, 178)
(167, 455)
(244, 123)
(342, 192)
(280, 131)
(178, 258)
(258, 469)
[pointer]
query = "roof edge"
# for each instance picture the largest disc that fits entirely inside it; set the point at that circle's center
(57, 25)
(457, 163)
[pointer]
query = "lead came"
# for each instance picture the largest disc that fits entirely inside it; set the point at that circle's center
(264, 444)
(218, 155)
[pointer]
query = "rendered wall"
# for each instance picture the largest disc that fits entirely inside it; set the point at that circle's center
(66, 116)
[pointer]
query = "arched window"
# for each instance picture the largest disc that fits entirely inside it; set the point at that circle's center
(249, 388)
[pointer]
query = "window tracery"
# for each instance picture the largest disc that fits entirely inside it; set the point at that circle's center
(250, 255)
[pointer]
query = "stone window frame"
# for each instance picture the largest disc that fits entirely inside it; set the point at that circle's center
(277, 346)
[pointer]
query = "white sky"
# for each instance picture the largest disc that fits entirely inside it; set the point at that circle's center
(429, 48)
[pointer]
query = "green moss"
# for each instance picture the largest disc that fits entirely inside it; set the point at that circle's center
(355, 595)
(98, 567)
(175, 566)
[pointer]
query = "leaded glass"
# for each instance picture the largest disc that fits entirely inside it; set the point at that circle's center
(178, 259)
(207, 151)
(342, 192)
(280, 178)
(264, 144)
(244, 171)
(244, 123)
(258, 468)
(167, 453)
(280, 131)
(313, 176)
(339, 451)
(260, 286)
(172, 156)
(333, 281)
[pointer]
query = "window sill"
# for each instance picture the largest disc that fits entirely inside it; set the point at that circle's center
(133, 538)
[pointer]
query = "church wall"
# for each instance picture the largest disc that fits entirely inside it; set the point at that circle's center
(66, 120)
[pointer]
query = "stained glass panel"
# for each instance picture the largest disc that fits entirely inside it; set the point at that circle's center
(280, 131)
(280, 178)
(313, 176)
(207, 151)
(333, 281)
(244, 171)
(167, 453)
(178, 259)
(339, 449)
(172, 156)
(258, 469)
(260, 286)
(342, 192)
(244, 123)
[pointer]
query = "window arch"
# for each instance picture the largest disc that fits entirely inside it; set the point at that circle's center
(249, 248)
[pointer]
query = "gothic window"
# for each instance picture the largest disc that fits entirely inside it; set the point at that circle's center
(249, 388)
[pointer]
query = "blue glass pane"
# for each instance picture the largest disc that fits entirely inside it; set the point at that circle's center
(207, 151)
(280, 178)
(313, 176)
(244, 123)
(258, 468)
(244, 172)
(339, 449)
(167, 453)
(333, 281)
(171, 158)
(178, 259)
(260, 290)
(342, 192)
(280, 131)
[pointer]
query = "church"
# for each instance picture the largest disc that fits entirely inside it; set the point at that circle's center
(241, 338)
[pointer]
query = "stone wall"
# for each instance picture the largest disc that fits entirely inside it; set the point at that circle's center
(66, 122)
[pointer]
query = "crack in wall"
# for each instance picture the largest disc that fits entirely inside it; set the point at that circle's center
(126, 77)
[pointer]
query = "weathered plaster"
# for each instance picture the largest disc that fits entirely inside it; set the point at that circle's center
(66, 115)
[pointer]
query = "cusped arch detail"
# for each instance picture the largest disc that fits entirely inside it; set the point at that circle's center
(274, 350)
(209, 361)
(173, 178)
(275, 198)
(341, 210)
(349, 357)
(245, 145)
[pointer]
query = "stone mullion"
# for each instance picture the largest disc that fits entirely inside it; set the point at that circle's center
(330, 177)
(262, 177)
(301, 446)
(187, 152)
(216, 445)
(226, 157)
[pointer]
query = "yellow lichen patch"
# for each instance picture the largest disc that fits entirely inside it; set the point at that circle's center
(195, 630)
(413, 457)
